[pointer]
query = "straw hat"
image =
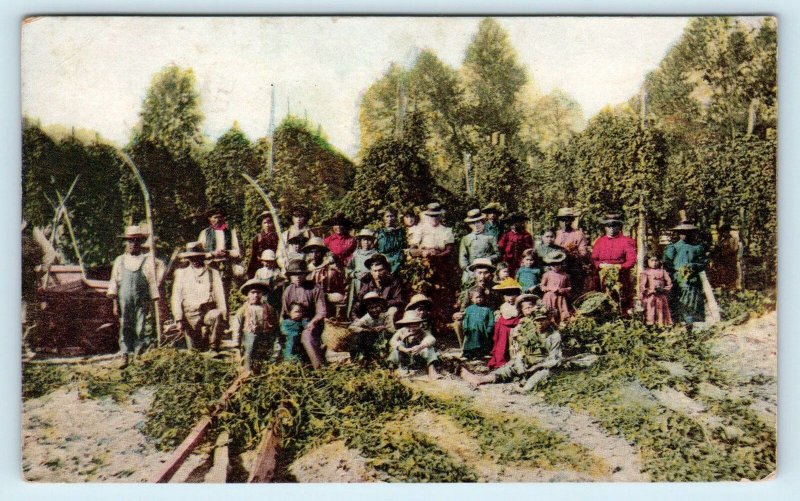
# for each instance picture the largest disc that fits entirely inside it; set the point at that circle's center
(296, 267)
(267, 255)
(410, 317)
(507, 284)
(482, 262)
(434, 209)
(554, 257)
(474, 215)
(418, 299)
(315, 243)
(371, 297)
(193, 249)
(254, 284)
(365, 233)
(134, 233)
(686, 225)
(492, 207)
(526, 297)
(566, 213)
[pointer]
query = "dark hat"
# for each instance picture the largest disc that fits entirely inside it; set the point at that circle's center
(299, 239)
(612, 218)
(216, 209)
(254, 284)
(377, 259)
(338, 219)
(515, 217)
(492, 207)
(300, 211)
(296, 267)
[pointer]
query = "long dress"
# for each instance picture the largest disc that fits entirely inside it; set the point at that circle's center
(619, 250)
(576, 246)
(556, 287)
(478, 325)
(654, 286)
(684, 262)
(391, 242)
(502, 329)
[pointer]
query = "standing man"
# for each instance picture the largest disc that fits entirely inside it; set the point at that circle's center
(724, 271)
(684, 260)
(134, 289)
(576, 246)
(222, 244)
(476, 244)
(482, 271)
(311, 298)
(492, 213)
(199, 300)
(266, 240)
(613, 257)
(299, 228)
(514, 242)
(391, 240)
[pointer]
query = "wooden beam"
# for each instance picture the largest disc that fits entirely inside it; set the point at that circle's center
(267, 456)
(218, 473)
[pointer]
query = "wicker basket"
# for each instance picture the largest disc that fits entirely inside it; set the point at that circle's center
(336, 336)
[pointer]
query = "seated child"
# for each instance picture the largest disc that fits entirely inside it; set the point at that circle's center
(292, 328)
(528, 275)
(478, 324)
(506, 318)
(254, 326)
(373, 330)
(412, 344)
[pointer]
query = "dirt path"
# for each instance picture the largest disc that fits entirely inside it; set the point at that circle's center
(67, 439)
(622, 458)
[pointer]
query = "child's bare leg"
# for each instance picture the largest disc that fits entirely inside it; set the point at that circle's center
(433, 373)
(476, 379)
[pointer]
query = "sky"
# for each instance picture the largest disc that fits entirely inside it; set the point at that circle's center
(93, 72)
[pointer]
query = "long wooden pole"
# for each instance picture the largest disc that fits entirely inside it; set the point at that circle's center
(60, 208)
(271, 207)
(149, 216)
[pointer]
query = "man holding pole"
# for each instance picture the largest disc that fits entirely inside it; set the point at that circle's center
(222, 243)
(134, 289)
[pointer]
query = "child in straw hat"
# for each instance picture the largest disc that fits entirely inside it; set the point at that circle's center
(411, 344)
(556, 286)
(506, 318)
(254, 326)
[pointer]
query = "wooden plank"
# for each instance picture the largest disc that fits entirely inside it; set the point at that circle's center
(267, 457)
(218, 473)
(713, 315)
(196, 435)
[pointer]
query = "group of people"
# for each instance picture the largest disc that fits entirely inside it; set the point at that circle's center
(504, 301)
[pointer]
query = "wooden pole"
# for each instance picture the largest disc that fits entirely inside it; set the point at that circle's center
(271, 207)
(271, 131)
(149, 216)
(65, 214)
(267, 456)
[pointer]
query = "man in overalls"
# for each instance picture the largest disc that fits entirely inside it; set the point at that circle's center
(134, 289)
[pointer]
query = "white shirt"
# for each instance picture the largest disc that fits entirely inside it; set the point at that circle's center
(194, 287)
(431, 237)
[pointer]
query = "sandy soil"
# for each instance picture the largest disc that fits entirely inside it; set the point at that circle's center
(332, 462)
(67, 439)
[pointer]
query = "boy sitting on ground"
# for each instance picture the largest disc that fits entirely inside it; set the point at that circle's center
(412, 344)
(372, 330)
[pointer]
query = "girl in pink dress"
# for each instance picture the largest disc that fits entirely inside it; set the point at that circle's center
(556, 286)
(654, 287)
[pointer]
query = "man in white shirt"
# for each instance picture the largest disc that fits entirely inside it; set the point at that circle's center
(222, 244)
(199, 300)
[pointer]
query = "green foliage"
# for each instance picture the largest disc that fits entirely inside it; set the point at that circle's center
(501, 177)
(738, 306)
(40, 379)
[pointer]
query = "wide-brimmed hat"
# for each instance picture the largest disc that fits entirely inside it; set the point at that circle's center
(134, 233)
(372, 297)
(300, 211)
(567, 213)
(418, 299)
(554, 257)
(366, 233)
(338, 219)
(612, 218)
(492, 207)
(267, 255)
(377, 258)
(526, 297)
(433, 209)
(193, 249)
(296, 267)
(216, 209)
(515, 217)
(474, 215)
(686, 225)
(266, 214)
(299, 239)
(482, 262)
(254, 283)
(314, 243)
(507, 284)
(410, 317)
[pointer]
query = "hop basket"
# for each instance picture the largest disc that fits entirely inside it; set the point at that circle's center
(336, 336)
(594, 304)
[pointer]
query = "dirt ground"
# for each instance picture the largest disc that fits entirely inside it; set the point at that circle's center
(70, 439)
